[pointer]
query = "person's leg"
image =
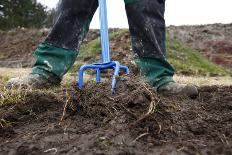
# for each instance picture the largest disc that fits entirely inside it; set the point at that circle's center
(147, 28)
(148, 35)
(56, 55)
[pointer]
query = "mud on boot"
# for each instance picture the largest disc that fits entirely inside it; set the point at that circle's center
(31, 81)
(178, 89)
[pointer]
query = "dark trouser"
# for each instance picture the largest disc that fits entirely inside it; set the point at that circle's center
(146, 24)
(145, 17)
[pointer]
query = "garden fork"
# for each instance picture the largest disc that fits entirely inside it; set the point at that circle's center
(106, 62)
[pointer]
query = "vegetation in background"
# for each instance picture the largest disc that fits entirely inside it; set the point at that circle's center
(30, 13)
(189, 61)
(184, 59)
(23, 13)
(48, 22)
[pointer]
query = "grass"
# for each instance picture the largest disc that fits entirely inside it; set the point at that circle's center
(204, 80)
(11, 97)
(188, 61)
(17, 96)
(184, 59)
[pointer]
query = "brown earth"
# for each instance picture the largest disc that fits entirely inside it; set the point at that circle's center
(135, 120)
(17, 46)
(20, 43)
(213, 41)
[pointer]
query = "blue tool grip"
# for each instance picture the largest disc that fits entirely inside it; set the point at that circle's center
(104, 31)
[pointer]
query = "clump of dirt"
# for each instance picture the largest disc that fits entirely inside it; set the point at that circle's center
(134, 120)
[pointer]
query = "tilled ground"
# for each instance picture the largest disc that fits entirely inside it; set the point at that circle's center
(135, 120)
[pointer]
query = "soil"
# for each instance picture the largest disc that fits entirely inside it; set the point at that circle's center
(134, 120)
(18, 45)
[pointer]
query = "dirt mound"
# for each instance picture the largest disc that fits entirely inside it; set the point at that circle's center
(213, 41)
(17, 45)
(135, 120)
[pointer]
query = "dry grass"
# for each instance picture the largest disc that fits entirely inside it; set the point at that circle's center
(6, 73)
(12, 96)
(203, 81)
(11, 72)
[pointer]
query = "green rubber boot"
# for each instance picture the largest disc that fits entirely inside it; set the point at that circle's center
(159, 73)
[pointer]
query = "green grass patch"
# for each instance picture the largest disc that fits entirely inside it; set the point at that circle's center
(18, 96)
(11, 97)
(189, 61)
(184, 59)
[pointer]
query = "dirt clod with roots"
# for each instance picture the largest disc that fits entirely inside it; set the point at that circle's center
(133, 120)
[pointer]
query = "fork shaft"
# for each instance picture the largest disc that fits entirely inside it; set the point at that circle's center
(104, 32)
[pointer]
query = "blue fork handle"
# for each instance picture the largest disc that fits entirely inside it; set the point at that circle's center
(104, 31)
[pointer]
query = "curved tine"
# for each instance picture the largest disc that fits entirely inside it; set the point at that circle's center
(125, 68)
(116, 73)
(81, 76)
(98, 75)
